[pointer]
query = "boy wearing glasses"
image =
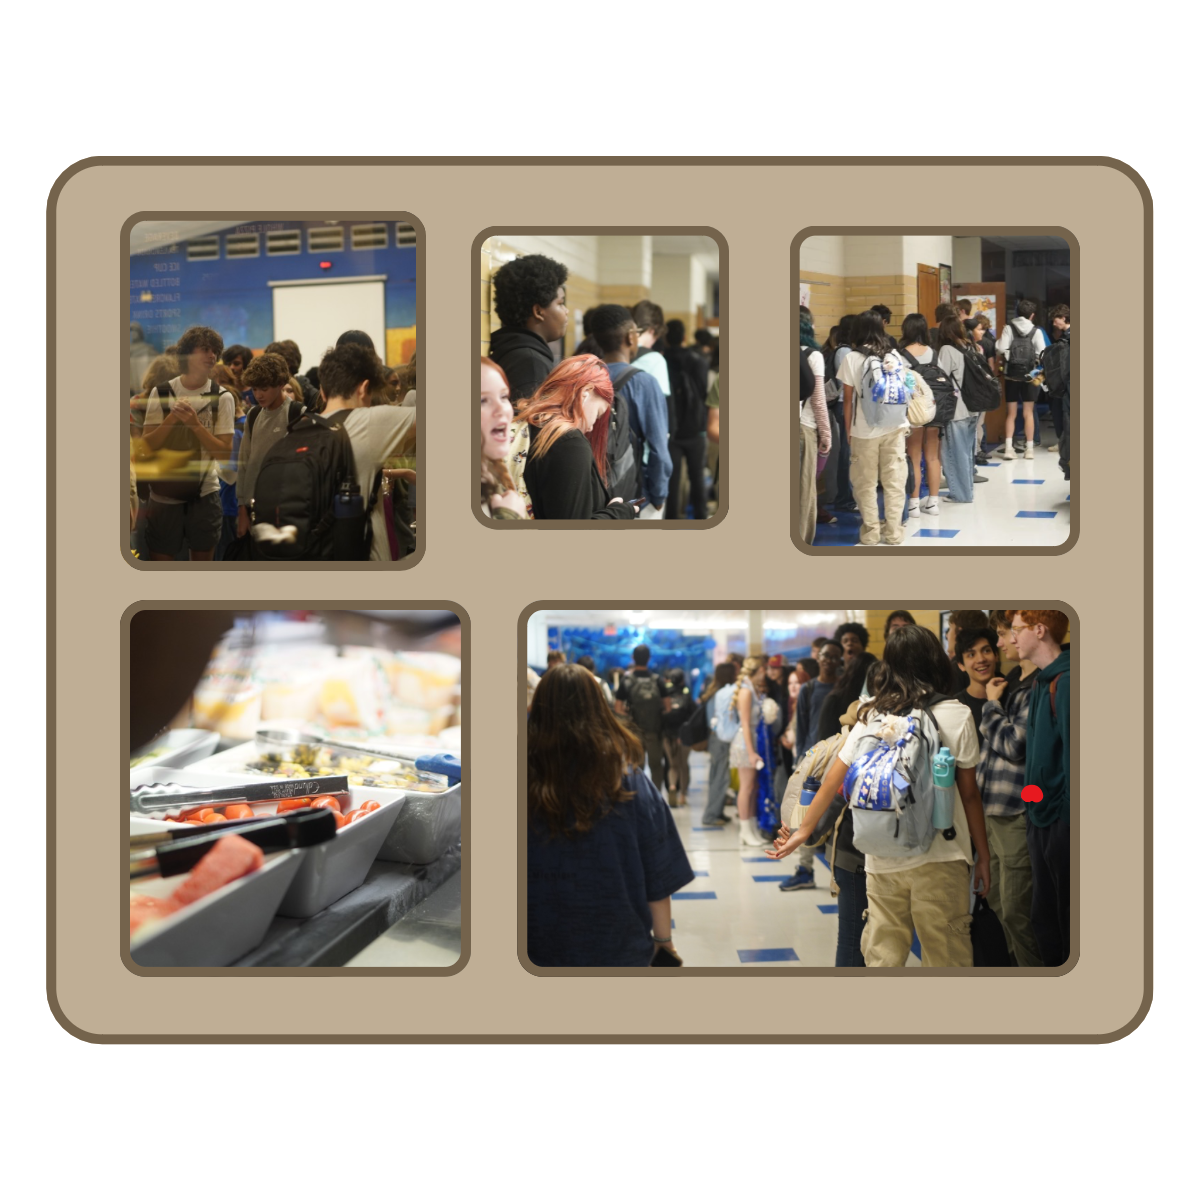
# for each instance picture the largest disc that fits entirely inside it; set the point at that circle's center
(1038, 635)
(1001, 778)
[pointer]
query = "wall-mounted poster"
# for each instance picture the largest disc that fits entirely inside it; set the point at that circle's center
(983, 306)
(944, 282)
(805, 294)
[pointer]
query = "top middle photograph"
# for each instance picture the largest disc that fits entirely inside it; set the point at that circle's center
(601, 390)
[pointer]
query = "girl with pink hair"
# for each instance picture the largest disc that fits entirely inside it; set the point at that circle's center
(569, 417)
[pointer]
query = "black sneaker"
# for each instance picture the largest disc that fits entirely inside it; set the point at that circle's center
(980, 478)
(721, 820)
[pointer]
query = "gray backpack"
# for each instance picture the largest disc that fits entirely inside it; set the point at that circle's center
(889, 786)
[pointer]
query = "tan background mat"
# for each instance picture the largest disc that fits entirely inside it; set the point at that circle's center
(759, 209)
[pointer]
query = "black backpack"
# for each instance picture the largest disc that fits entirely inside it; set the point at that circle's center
(694, 732)
(296, 485)
(940, 384)
(808, 381)
(1022, 358)
(980, 388)
(685, 406)
(645, 702)
(624, 458)
(181, 437)
(989, 946)
(1056, 362)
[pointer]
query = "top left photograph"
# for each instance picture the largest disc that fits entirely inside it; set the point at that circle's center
(273, 390)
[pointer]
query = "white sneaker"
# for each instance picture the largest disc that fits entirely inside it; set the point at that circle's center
(929, 506)
(914, 507)
(1050, 449)
(1028, 451)
(1005, 452)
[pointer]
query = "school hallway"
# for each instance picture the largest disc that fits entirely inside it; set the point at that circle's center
(1023, 503)
(733, 913)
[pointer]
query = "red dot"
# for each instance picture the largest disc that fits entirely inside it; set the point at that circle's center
(1031, 794)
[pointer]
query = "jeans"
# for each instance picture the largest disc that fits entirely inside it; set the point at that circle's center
(852, 903)
(1050, 914)
(693, 450)
(718, 777)
(958, 459)
(845, 494)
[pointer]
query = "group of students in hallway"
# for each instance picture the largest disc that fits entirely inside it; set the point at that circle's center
(624, 429)
(858, 450)
(224, 410)
(600, 830)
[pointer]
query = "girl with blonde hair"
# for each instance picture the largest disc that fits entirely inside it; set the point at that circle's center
(747, 699)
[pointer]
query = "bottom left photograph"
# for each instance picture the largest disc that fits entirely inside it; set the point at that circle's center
(295, 788)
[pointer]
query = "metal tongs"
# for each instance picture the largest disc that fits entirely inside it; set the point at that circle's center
(447, 766)
(165, 798)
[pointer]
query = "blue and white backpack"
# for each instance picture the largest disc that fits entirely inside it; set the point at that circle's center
(886, 387)
(889, 786)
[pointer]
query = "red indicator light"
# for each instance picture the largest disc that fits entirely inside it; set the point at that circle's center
(326, 265)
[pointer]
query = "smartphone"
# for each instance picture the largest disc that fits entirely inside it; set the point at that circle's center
(640, 502)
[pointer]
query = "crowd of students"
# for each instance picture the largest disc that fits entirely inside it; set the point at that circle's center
(237, 455)
(605, 856)
(624, 429)
(881, 416)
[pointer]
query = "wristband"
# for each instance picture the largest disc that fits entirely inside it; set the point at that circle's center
(662, 941)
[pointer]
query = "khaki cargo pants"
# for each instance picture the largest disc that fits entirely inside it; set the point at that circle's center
(882, 460)
(932, 899)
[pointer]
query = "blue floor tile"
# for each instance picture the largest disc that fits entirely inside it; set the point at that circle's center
(1034, 481)
(937, 533)
(762, 858)
(695, 872)
(707, 828)
(694, 896)
(1037, 514)
(827, 908)
(916, 946)
(785, 954)
(770, 878)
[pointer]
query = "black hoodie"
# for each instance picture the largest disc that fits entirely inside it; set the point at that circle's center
(525, 358)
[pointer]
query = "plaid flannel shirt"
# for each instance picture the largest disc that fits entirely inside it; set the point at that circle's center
(1001, 770)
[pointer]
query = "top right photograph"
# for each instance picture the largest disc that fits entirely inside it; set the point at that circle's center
(933, 373)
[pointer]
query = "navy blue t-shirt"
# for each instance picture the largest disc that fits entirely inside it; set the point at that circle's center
(589, 896)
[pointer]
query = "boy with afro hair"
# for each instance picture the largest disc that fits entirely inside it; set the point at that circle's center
(531, 302)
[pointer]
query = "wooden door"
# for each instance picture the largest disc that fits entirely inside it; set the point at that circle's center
(989, 299)
(928, 290)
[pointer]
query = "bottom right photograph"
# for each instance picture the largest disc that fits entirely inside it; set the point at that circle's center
(759, 788)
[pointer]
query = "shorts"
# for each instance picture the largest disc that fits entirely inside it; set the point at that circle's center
(1021, 391)
(168, 524)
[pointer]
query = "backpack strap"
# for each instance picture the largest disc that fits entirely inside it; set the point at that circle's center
(1053, 699)
(624, 376)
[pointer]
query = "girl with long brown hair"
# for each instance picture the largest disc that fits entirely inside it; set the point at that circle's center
(718, 751)
(604, 855)
(568, 418)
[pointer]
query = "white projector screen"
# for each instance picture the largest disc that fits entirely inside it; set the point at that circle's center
(314, 315)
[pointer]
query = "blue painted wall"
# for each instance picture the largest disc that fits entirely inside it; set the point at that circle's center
(232, 296)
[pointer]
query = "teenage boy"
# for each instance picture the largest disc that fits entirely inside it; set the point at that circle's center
(1060, 405)
(650, 322)
(266, 423)
(289, 351)
(531, 302)
(616, 334)
(640, 697)
(808, 711)
(1019, 349)
(686, 406)
(961, 618)
(853, 639)
(194, 403)
(351, 375)
(1001, 776)
(1038, 635)
(976, 651)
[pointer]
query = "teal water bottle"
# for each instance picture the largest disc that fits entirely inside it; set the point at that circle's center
(943, 789)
